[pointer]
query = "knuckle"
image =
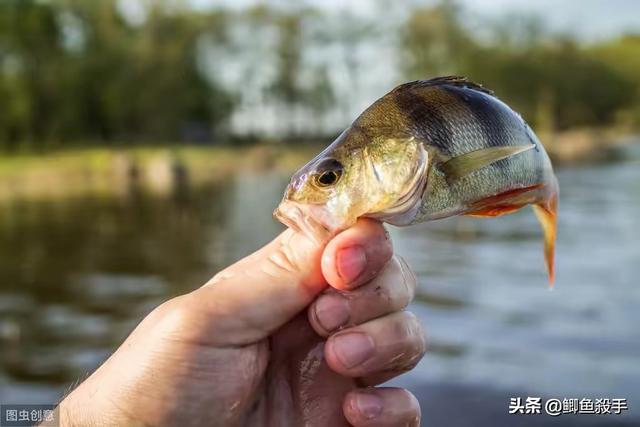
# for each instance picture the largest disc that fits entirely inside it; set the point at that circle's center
(417, 339)
(409, 279)
(414, 414)
(387, 246)
(172, 308)
(395, 288)
(410, 397)
(411, 347)
(173, 315)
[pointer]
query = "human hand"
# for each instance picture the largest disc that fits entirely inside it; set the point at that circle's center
(266, 342)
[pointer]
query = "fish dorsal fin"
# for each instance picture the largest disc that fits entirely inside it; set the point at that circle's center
(457, 81)
(464, 164)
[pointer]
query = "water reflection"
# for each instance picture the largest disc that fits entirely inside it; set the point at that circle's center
(77, 275)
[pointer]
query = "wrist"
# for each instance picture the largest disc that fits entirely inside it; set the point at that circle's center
(81, 409)
(68, 413)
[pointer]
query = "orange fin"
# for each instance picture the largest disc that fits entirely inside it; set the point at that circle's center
(547, 213)
(545, 210)
(494, 211)
(503, 203)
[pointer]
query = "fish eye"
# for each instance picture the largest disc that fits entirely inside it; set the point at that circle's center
(327, 178)
(329, 172)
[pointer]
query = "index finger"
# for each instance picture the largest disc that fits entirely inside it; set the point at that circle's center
(356, 255)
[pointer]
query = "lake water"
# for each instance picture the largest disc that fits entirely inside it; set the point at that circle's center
(76, 275)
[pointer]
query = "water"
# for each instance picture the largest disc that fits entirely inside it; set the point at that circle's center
(77, 274)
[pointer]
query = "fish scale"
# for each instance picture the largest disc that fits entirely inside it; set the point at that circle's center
(427, 150)
(472, 129)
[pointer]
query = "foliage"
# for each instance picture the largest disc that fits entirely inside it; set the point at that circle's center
(79, 70)
(553, 81)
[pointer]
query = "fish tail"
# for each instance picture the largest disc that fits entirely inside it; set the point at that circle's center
(547, 211)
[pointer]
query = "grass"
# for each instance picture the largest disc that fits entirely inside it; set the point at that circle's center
(70, 172)
(106, 170)
(17, 164)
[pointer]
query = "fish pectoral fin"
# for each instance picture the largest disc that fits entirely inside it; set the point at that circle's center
(464, 164)
(506, 202)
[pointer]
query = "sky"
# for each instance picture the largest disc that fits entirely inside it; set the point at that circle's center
(589, 19)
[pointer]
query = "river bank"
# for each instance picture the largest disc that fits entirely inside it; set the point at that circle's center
(166, 169)
(585, 145)
(159, 170)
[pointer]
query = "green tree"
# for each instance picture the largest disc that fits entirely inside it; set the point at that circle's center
(75, 69)
(623, 55)
(435, 42)
(553, 81)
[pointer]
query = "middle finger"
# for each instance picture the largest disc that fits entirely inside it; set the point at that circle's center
(390, 291)
(389, 345)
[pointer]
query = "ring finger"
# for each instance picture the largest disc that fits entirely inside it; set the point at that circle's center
(379, 349)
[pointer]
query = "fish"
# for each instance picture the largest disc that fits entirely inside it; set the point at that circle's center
(427, 150)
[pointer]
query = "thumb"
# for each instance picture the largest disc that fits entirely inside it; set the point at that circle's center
(249, 300)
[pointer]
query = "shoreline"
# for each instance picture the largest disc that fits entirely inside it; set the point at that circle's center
(118, 172)
(584, 145)
(163, 170)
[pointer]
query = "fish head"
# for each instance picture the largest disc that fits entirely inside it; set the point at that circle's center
(360, 174)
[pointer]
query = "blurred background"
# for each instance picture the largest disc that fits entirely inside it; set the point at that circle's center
(145, 143)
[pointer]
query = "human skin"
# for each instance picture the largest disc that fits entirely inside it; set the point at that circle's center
(298, 333)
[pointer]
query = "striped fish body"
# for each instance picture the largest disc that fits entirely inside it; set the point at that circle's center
(452, 117)
(427, 150)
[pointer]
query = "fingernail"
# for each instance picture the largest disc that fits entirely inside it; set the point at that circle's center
(352, 349)
(369, 405)
(332, 311)
(351, 263)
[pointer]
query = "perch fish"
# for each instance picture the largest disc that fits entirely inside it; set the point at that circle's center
(427, 150)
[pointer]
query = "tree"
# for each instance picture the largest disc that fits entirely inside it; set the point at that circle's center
(75, 69)
(435, 42)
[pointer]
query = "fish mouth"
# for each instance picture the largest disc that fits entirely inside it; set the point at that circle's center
(311, 220)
